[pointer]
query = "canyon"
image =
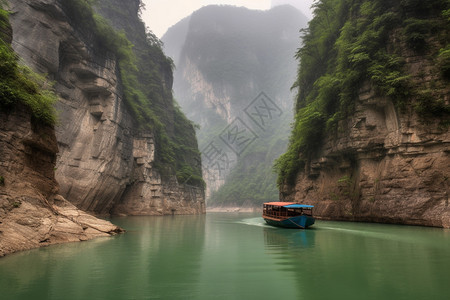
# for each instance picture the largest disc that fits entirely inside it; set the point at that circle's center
(234, 75)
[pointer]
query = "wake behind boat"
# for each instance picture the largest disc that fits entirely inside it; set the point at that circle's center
(288, 214)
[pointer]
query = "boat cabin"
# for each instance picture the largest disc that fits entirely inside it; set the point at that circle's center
(281, 210)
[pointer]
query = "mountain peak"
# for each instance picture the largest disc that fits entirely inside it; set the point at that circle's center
(302, 5)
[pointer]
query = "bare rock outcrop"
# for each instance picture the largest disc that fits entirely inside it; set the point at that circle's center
(32, 214)
(385, 165)
(105, 163)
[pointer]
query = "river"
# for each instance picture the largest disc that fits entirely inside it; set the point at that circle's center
(236, 256)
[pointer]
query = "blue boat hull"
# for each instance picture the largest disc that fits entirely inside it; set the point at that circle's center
(293, 222)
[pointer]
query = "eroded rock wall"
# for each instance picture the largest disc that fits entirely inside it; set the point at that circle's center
(102, 154)
(32, 214)
(385, 165)
(379, 173)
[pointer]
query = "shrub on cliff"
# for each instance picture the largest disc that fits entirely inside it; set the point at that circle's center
(444, 62)
(19, 84)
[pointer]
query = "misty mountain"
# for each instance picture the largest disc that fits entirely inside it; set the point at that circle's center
(301, 5)
(175, 38)
(234, 71)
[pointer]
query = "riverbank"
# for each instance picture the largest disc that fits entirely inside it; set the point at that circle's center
(33, 223)
(32, 213)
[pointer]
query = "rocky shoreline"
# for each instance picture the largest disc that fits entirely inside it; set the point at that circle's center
(32, 213)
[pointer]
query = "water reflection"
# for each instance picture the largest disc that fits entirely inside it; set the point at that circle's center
(157, 257)
(363, 261)
(280, 238)
(235, 264)
(32, 274)
(167, 256)
(236, 256)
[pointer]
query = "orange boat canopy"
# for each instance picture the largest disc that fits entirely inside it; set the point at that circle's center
(289, 205)
(279, 203)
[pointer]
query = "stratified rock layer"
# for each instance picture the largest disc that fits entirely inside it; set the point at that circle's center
(385, 166)
(32, 214)
(105, 164)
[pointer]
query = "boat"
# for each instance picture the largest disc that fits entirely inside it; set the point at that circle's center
(288, 214)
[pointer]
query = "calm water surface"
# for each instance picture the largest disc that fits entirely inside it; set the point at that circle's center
(236, 256)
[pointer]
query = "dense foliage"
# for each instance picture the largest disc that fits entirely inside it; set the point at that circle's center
(349, 43)
(252, 181)
(19, 84)
(143, 70)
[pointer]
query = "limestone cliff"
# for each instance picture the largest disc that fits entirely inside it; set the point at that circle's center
(106, 162)
(385, 166)
(32, 214)
(371, 140)
(234, 69)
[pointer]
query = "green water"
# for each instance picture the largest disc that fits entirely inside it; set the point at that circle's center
(236, 256)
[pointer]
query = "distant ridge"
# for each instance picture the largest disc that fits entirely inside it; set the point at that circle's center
(301, 5)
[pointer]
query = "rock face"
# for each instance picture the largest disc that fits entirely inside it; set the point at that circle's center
(386, 165)
(32, 214)
(105, 164)
(381, 154)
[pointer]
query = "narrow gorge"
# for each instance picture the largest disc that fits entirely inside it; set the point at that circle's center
(235, 67)
(224, 149)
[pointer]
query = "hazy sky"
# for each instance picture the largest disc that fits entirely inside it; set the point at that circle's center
(161, 14)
